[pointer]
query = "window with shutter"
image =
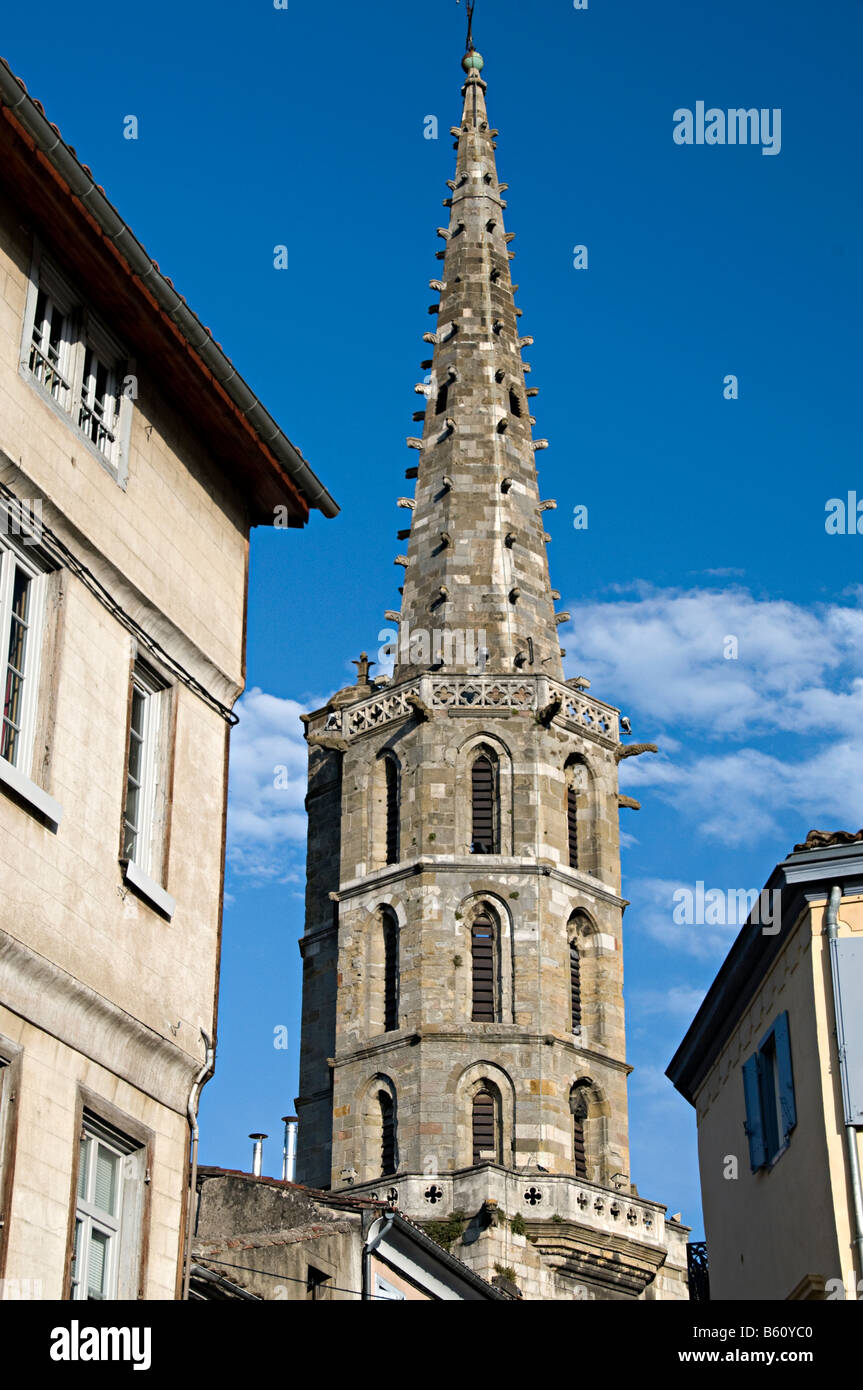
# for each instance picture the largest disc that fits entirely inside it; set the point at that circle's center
(388, 1133)
(575, 985)
(108, 1213)
(579, 1109)
(572, 825)
(393, 808)
(768, 1091)
(483, 963)
(391, 973)
(484, 836)
(485, 1146)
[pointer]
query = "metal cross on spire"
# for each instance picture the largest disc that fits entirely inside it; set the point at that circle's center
(471, 6)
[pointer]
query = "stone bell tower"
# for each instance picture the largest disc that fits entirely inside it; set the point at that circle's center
(463, 1049)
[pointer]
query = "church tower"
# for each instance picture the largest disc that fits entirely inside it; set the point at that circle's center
(463, 1050)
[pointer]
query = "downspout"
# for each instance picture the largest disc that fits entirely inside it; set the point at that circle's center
(371, 1246)
(192, 1110)
(850, 1130)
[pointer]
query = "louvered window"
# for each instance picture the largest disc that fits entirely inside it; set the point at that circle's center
(484, 1128)
(440, 404)
(578, 1106)
(578, 1147)
(391, 974)
(108, 1207)
(482, 957)
(515, 404)
(484, 838)
(572, 825)
(575, 985)
(388, 1133)
(392, 787)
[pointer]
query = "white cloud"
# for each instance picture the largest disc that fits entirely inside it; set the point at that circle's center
(659, 654)
(798, 669)
(266, 813)
(679, 1002)
(652, 913)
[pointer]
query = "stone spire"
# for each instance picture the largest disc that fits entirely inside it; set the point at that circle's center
(476, 594)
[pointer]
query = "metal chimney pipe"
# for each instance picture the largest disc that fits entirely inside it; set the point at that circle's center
(258, 1153)
(289, 1151)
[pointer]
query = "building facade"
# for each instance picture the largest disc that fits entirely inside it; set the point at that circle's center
(133, 462)
(463, 1048)
(773, 1064)
(278, 1241)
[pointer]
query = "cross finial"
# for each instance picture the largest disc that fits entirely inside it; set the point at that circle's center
(363, 667)
(471, 6)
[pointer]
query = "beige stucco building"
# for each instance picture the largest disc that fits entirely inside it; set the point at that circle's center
(773, 1063)
(133, 462)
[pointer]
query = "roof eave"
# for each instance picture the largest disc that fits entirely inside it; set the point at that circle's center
(84, 189)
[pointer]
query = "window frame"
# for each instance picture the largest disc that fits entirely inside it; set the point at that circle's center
(769, 1096)
(146, 685)
(13, 557)
(485, 916)
(83, 331)
(134, 1143)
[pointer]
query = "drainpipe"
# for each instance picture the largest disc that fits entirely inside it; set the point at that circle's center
(371, 1245)
(850, 1130)
(192, 1110)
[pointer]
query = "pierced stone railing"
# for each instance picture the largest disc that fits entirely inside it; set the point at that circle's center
(591, 717)
(483, 692)
(535, 1196)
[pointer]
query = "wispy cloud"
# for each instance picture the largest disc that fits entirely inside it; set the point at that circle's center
(721, 665)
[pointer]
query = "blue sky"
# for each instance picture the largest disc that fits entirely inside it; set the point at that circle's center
(304, 127)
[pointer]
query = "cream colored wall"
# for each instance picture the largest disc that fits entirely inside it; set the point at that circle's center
(169, 531)
(789, 1221)
(100, 989)
(39, 1217)
(850, 925)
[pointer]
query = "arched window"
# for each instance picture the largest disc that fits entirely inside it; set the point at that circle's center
(485, 831)
(575, 984)
(388, 1133)
(577, 814)
(483, 945)
(391, 972)
(392, 809)
(578, 1106)
(486, 1144)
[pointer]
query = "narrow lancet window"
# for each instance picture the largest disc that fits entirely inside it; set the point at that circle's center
(483, 953)
(484, 837)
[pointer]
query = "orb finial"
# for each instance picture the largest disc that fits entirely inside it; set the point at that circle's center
(473, 61)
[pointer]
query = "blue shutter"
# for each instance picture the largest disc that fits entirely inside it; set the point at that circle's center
(754, 1123)
(787, 1103)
